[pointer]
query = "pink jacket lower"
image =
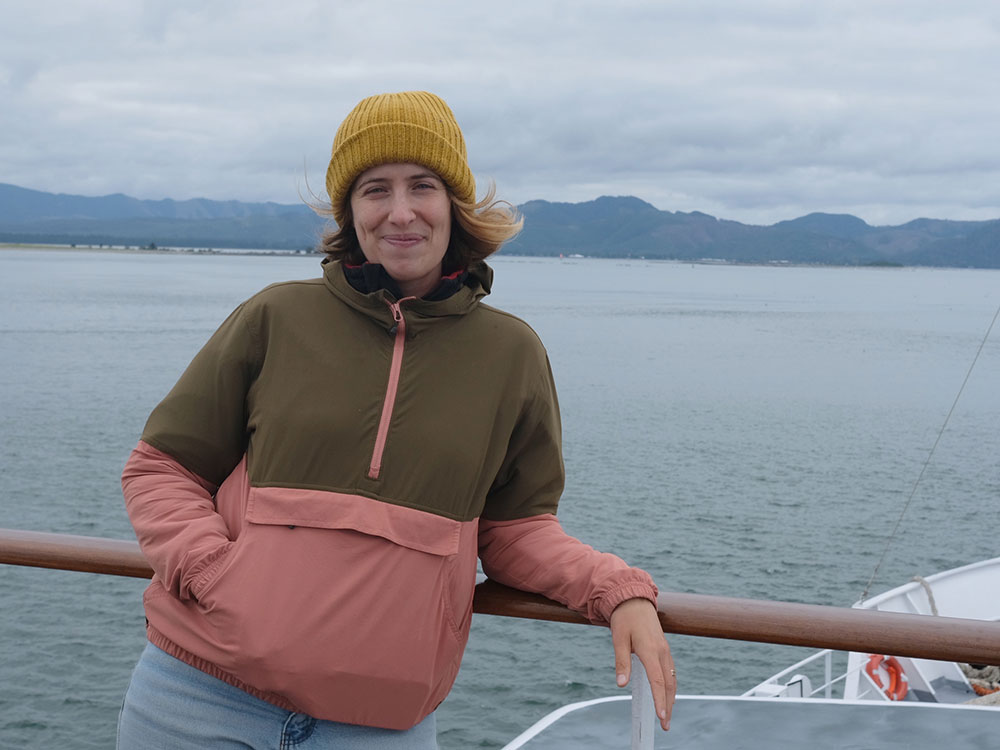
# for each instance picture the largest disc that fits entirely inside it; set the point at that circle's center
(338, 605)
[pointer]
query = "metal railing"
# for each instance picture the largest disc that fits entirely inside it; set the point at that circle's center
(775, 685)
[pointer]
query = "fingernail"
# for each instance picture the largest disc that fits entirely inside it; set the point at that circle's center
(622, 679)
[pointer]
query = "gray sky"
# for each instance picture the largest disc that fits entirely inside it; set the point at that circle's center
(754, 110)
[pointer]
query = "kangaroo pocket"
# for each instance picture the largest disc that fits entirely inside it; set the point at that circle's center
(354, 609)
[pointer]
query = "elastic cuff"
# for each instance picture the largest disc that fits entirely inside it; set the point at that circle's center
(209, 568)
(624, 592)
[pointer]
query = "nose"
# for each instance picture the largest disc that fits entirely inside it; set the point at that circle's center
(401, 211)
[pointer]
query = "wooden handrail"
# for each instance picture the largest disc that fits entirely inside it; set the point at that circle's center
(87, 554)
(816, 626)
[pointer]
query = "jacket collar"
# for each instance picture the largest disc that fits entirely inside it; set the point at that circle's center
(370, 277)
(375, 304)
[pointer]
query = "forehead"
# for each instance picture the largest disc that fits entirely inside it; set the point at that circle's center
(396, 171)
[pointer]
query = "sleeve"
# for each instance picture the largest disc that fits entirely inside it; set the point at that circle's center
(193, 439)
(523, 545)
(173, 513)
(203, 421)
(531, 476)
(535, 554)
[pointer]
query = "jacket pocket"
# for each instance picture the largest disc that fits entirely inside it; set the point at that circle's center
(342, 596)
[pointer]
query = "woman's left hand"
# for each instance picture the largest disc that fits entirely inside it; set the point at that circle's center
(635, 628)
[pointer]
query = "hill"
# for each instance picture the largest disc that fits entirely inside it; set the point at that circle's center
(613, 227)
(629, 227)
(34, 216)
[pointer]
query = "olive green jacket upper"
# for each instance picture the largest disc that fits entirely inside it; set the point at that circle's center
(297, 376)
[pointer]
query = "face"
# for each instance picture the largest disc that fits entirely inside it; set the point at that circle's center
(402, 216)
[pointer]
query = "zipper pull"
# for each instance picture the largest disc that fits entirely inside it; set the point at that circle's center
(397, 315)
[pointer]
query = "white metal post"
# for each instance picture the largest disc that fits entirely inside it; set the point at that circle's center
(643, 710)
(828, 673)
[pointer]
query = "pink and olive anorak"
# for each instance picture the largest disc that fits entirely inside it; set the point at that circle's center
(314, 491)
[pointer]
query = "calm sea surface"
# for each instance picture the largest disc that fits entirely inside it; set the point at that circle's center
(743, 431)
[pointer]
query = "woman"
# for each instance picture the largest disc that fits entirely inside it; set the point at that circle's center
(314, 491)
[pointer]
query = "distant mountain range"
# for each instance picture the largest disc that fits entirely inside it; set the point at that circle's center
(37, 217)
(613, 227)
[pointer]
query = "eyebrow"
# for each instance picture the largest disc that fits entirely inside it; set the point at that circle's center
(415, 176)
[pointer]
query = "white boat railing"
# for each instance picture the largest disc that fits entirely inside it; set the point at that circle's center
(643, 710)
(776, 687)
(794, 682)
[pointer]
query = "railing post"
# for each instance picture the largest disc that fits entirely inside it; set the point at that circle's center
(828, 673)
(643, 710)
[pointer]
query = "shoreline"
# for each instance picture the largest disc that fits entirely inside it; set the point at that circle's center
(132, 250)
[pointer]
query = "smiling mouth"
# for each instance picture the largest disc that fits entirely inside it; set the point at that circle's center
(402, 239)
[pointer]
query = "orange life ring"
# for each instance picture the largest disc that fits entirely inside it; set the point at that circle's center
(898, 686)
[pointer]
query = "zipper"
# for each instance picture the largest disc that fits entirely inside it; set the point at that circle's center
(375, 467)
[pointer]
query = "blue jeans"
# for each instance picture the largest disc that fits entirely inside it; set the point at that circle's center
(170, 705)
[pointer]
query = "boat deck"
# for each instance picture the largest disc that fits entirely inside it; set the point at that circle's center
(720, 723)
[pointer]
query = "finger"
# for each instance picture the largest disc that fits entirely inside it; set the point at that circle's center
(671, 672)
(623, 656)
(670, 676)
(670, 693)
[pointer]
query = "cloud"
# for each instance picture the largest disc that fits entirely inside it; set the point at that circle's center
(757, 112)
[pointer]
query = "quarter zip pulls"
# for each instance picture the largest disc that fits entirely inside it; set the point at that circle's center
(398, 347)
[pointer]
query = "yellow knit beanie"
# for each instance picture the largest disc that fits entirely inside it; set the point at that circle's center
(410, 127)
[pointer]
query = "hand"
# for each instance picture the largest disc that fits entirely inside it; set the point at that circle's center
(635, 628)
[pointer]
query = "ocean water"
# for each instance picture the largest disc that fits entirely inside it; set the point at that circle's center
(736, 430)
